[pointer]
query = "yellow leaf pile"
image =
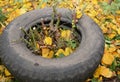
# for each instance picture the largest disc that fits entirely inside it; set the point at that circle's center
(15, 14)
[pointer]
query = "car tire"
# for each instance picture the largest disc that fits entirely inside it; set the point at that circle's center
(27, 67)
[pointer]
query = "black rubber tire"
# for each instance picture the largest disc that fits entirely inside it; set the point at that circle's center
(27, 67)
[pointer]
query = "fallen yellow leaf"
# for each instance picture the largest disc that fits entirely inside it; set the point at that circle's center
(102, 70)
(65, 34)
(88, 80)
(60, 51)
(118, 12)
(2, 68)
(112, 48)
(22, 11)
(118, 51)
(68, 51)
(78, 12)
(45, 52)
(16, 13)
(100, 79)
(106, 72)
(116, 54)
(7, 73)
(37, 46)
(107, 59)
(43, 5)
(1, 29)
(118, 72)
(112, 35)
(104, 29)
(27, 5)
(97, 72)
(118, 30)
(95, 1)
(48, 40)
(51, 53)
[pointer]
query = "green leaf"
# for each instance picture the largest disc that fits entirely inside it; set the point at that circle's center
(107, 40)
(72, 43)
(16, 81)
(110, 9)
(95, 80)
(33, 39)
(45, 1)
(41, 2)
(108, 20)
(117, 1)
(2, 16)
(117, 37)
(19, 1)
(103, 3)
(113, 66)
(61, 55)
(118, 62)
(118, 4)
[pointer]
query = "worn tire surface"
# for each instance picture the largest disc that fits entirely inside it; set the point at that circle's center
(27, 67)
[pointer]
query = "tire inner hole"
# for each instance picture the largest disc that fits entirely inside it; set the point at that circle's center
(51, 41)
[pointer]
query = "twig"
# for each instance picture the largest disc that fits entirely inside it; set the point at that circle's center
(58, 21)
(110, 1)
(33, 38)
(42, 22)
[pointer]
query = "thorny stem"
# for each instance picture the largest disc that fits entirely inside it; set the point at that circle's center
(74, 16)
(37, 34)
(58, 21)
(24, 31)
(74, 19)
(26, 41)
(42, 22)
(33, 38)
(53, 15)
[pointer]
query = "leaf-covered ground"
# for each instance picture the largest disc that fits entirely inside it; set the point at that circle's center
(106, 13)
